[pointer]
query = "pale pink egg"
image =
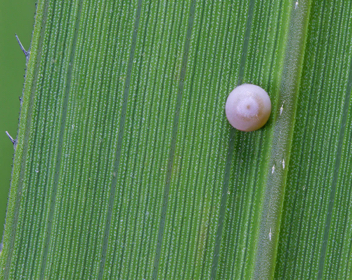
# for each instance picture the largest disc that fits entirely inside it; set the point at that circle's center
(248, 107)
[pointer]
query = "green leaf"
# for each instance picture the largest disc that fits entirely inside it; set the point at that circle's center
(126, 166)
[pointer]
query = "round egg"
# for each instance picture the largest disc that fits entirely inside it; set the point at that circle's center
(248, 107)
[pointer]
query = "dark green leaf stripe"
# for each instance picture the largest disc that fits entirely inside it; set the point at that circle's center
(126, 167)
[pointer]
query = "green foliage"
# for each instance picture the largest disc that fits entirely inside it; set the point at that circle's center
(126, 166)
(12, 20)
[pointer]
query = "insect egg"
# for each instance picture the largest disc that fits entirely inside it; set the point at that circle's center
(248, 107)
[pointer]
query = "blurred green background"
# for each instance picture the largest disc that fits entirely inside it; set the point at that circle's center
(15, 17)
